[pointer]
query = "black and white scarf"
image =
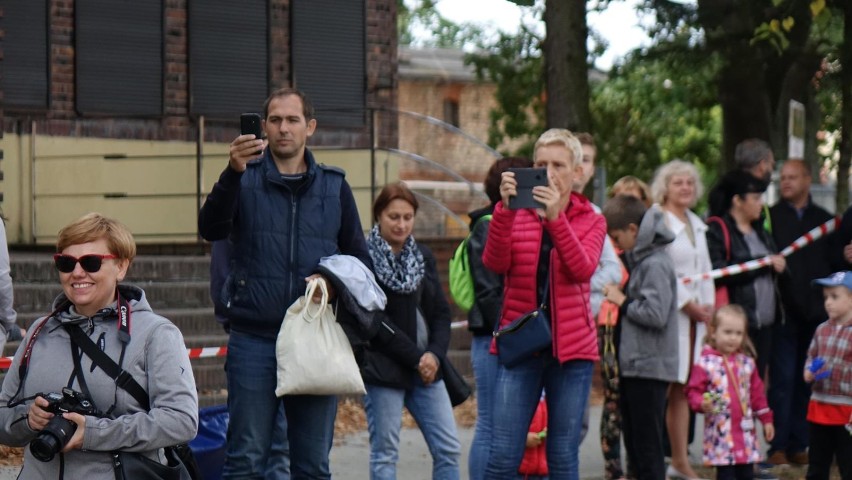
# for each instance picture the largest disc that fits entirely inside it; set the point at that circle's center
(401, 273)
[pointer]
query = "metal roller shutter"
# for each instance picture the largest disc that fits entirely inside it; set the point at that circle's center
(119, 57)
(228, 57)
(328, 59)
(25, 59)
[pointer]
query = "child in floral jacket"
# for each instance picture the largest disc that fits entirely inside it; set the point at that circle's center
(725, 386)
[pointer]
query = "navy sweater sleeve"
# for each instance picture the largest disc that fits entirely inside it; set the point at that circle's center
(351, 238)
(216, 218)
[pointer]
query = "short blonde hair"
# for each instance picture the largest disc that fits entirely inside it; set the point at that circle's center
(660, 184)
(93, 227)
(629, 182)
(561, 136)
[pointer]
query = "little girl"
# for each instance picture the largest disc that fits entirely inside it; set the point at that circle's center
(724, 384)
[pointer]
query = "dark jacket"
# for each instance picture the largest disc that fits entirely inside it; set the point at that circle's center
(220, 261)
(487, 285)
(802, 302)
(278, 236)
(380, 369)
(741, 286)
(365, 327)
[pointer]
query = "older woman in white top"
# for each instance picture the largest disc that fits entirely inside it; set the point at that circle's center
(676, 188)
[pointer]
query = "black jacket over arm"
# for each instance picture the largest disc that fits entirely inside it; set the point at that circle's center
(381, 369)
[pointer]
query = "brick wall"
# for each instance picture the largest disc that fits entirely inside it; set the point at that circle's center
(475, 101)
(62, 120)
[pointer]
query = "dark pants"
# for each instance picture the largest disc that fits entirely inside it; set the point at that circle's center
(735, 472)
(829, 442)
(643, 413)
(788, 393)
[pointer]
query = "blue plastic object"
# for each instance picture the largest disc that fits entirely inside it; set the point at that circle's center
(816, 365)
(208, 446)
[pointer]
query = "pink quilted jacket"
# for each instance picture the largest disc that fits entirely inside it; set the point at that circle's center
(512, 249)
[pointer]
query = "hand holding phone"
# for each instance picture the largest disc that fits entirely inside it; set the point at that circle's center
(527, 179)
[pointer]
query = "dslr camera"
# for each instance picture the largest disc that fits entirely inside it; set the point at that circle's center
(59, 430)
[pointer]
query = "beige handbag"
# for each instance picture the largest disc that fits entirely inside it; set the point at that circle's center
(314, 356)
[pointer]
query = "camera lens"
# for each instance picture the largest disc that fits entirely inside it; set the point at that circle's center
(49, 441)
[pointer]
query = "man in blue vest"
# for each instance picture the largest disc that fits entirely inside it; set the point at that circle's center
(282, 212)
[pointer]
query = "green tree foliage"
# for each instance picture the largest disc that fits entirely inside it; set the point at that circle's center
(718, 72)
(659, 105)
(444, 33)
(653, 110)
(514, 64)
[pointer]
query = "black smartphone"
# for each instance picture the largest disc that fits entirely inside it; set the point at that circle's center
(527, 178)
(250, 124)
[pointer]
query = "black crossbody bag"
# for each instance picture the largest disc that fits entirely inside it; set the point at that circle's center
(132, 465)
(527, 335)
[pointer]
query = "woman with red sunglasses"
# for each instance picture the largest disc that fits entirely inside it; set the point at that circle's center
(103, 415)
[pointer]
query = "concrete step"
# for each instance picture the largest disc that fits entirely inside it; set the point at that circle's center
(37, 297)
(190, 321)
(38, 268)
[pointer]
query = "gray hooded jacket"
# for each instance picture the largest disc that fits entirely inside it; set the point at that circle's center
(648, 346)
(156, 357)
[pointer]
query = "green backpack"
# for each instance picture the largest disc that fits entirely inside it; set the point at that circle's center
(461, 281)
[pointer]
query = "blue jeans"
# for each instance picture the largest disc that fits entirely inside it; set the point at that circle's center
(430, 406)
(254, 408)
(485, 374)
(517, 392)
(278, 463)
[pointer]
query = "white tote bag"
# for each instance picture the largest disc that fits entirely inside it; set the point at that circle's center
(314, 355)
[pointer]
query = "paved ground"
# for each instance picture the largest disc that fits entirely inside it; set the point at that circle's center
(350, 458)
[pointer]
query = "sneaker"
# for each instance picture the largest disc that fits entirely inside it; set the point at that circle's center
(674, 474)
(798, 458)
(762, 471)
(779, 458)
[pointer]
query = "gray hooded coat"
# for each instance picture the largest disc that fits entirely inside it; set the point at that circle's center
(648, 347)
(156, 357)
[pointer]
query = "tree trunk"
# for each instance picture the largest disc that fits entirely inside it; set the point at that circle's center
(842, 198)
(745, 104)
(757, 82)
(566, 66)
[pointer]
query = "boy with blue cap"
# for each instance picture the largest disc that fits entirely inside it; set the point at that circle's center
(829, 369)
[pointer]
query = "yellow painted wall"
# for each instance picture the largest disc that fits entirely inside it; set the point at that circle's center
(149, 185)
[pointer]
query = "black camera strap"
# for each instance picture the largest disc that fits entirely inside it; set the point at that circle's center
(122, 378)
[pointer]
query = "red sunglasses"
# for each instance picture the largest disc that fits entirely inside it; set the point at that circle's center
(90, 263)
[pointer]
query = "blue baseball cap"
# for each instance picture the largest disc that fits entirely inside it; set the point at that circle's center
(836, 280)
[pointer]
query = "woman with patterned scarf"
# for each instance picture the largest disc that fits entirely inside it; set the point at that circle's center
(416, 305)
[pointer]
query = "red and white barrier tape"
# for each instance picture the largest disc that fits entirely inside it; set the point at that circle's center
(800, 243)
(205, 352)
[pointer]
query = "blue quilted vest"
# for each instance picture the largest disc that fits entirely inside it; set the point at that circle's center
(278, 238)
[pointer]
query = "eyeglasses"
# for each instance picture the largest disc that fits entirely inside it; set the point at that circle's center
(90, 263)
